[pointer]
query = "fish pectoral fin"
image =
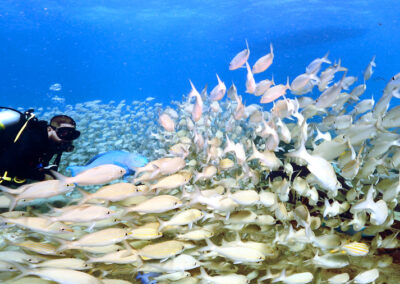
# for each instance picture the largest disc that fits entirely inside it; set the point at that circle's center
(90, 228)
(164, 259)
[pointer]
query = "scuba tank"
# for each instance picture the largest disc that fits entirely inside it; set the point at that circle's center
(12, 122)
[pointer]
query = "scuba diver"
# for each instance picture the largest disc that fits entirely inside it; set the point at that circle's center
(27, 145)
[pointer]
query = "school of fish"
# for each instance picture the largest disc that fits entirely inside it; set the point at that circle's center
(299, 190)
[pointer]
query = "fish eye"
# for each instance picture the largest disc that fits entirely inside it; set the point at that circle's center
(108, 212)
(137, 190)
(126, 234)
(175, 203)
(29, 259)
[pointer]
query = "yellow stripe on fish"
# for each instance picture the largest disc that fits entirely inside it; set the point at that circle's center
(356, 249)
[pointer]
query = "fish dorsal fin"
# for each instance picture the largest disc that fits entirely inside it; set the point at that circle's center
(95, 158)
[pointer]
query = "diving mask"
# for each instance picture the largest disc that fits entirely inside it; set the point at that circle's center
(67, 133)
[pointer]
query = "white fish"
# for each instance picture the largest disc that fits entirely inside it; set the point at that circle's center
(330, 261)
(237, 254)
(196, 235)
(263, 86)
(97, 175)
(166, 122)
(66, 263)
(301, 83)
(157, 204)
(231, 278)
(128, 256)
(378, 210)
(368, 71)
(339, 279)
(172, 181)
(368, 276)
(320, 168)
(83, 213)
(104, 237)
(330, 95)
(264, 62)
(113, 192)
(304, 277)
(187, 217)
(17, 256)
(39, 224)
(64, 276)
(245, 197)
(250, 82)
(162, 250)
(198, 106)
(6, 266)
(173, 276)
(219, 91)
(240, 58)
(163, 166)
(147, 231)
(325, 136)
(56, 87)
(315, 65)
(274, 93)
(42, 189)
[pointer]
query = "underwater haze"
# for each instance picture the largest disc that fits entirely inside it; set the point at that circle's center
(65, 52)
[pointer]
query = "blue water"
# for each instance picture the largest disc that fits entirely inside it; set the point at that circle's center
(115, 49)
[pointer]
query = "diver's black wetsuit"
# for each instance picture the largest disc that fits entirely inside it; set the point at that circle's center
(29, 154)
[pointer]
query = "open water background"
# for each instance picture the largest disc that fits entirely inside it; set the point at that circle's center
(129, 49)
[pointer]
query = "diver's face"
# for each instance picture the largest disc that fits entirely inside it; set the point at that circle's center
(53, 133)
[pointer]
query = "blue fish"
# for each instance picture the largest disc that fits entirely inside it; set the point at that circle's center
(126, 160)
(145, 277)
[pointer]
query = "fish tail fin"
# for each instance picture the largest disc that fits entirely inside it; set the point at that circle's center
(59, 176)
(85, 196)
(75, 169)
(325, 58)
(203, 273)
(309, 233)
(8, 190)
(230, 146)
(255, 153)
(24, 272)
(210, 245)
(196, 195)
(368, 203)
(13, 201)
(162, 224)
(281, 277)
(64, 245)
(299, 153)
(287, 83)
